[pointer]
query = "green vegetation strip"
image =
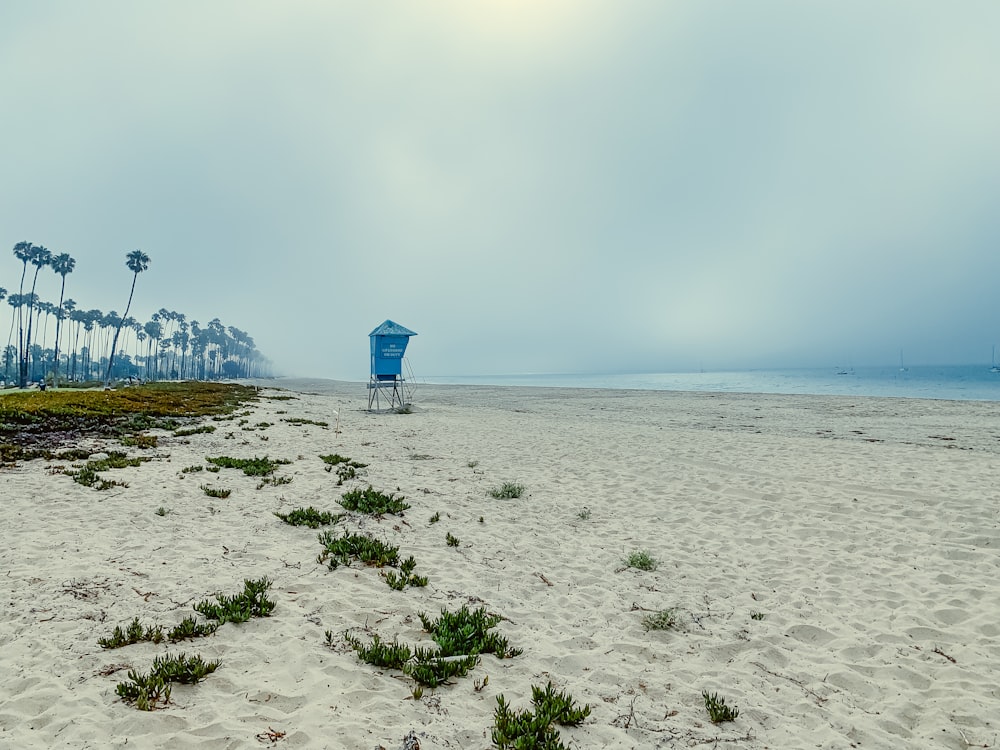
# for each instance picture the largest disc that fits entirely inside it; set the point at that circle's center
(32, 423)
(68, 409)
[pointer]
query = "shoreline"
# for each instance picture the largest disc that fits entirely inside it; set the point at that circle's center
(948, 383)
(863, 530)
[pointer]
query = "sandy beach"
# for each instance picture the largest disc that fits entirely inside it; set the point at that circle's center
(832, 564)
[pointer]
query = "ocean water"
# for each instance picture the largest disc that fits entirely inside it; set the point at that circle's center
(953, 382)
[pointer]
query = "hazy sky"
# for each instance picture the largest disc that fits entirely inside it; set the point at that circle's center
(530, 185)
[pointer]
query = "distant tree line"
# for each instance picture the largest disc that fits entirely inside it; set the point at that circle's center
(60, 341)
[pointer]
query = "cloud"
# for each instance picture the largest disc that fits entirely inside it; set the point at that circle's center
(570, 186)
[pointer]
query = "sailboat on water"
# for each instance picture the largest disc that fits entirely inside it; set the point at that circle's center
(995, 367)
(902, 367)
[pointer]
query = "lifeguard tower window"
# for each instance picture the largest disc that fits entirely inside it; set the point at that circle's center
(388, 345)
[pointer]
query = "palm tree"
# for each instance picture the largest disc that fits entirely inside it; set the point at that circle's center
(137, 262)
(153, 331)
(16, 302)
(9, 353)
(3, 293)
(23, 251)
(91, 318)
(39, 257)
(199, 343)
(78, 317)
(107, 325)
(62, 264)
(46, 309)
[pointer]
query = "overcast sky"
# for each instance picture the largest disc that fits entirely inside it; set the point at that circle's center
(530, 185)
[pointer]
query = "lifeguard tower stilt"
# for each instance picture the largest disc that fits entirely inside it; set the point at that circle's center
(388, 345)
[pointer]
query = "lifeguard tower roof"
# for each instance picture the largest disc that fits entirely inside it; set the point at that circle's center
(390, 328)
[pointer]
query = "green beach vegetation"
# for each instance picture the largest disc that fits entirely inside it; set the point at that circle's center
(641, 560)
(34, 424)
(507, 491)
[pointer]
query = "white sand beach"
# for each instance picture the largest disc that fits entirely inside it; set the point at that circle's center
(833, 563)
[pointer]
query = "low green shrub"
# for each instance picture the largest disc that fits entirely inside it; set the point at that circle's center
(251, 602)
(431, 669)
(507, 491)
(252, 467)
(466, 631)
(380, 654)
(184, 432)
(309, 517)
(346, 468)
(374, 502)
(273, 482)
(134, 632)
(139, 441)
(340, 550)
(641, 560)
(300, 421)
(665, 619)
(718, 711)
(460, 636)
(145, 691)
(406, 576)
(190, 628)
(536, 729)
(87, 474)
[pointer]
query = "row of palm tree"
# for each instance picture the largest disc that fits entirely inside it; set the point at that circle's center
(108, 346)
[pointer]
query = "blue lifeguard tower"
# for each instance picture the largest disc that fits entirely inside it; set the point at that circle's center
(388, 345)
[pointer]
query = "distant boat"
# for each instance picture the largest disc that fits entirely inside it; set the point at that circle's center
(995, 367)
(902, 367)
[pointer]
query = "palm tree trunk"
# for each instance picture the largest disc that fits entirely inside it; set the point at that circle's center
(118, 330)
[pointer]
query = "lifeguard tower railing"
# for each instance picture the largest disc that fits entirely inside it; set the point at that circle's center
(386, 384)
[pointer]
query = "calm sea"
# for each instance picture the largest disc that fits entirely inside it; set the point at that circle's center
(955, 382)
